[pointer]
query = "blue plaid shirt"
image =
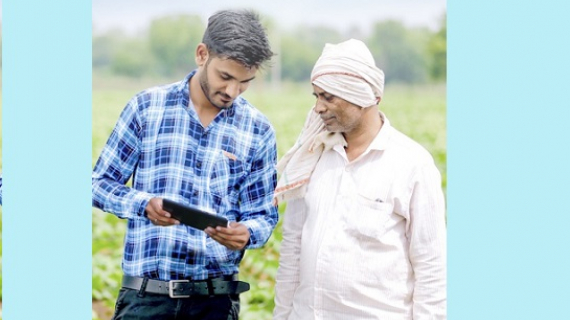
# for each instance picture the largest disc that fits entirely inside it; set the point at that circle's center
(227, 168)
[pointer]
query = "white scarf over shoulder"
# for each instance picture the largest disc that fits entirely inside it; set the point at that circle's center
(346, 70)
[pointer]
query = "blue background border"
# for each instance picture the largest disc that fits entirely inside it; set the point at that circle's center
(508, 160)
(46, 104)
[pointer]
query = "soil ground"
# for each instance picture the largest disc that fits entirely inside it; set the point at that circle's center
(103, 312)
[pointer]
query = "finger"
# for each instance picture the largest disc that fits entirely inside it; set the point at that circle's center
(210, 231)
(153, 208)
(164, 213)
(163, 221)
(160, 210)
(231, 242)
(232, 234)
(235, 224)
(220, 237)
(169, 221)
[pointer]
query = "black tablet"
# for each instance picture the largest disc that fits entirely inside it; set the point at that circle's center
(193, 217)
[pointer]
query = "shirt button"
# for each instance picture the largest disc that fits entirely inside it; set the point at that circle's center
(198, 164)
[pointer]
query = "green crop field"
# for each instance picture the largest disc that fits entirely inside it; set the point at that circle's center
(418, 111)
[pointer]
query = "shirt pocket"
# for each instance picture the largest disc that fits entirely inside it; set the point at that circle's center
(366, 216)
(228, 172)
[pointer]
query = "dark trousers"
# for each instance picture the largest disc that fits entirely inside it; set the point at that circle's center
(131, 306)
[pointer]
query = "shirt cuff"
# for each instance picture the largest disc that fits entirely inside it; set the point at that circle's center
(140, 202)
(254, 239)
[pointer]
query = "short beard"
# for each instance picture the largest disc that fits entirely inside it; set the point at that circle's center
(204, 84)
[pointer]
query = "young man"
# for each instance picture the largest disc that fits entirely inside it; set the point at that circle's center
(364, 234)
(196, 142)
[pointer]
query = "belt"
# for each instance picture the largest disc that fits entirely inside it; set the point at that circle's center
(186, 288)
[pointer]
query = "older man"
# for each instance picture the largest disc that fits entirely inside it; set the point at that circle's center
(364, 234)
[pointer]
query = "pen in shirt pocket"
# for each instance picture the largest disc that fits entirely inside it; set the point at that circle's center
(229, 155)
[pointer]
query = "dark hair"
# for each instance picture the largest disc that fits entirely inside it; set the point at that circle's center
(238, 35)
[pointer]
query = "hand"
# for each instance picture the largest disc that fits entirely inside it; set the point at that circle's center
(157, 215)
(235, 237)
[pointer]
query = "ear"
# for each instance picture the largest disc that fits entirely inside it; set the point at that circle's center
(201, 54)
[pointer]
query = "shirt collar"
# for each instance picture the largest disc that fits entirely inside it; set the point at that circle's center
(380, 142)
(183, 85)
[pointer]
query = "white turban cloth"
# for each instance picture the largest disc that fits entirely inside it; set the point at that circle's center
(348, 71)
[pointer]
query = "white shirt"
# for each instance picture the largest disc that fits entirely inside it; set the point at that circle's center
(368, 240)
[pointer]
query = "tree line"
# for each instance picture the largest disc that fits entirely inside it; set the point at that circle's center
(166, 49)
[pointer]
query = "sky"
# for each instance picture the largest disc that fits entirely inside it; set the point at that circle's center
(134, 15)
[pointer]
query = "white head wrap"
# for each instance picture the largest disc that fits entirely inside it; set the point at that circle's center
(348, 71)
